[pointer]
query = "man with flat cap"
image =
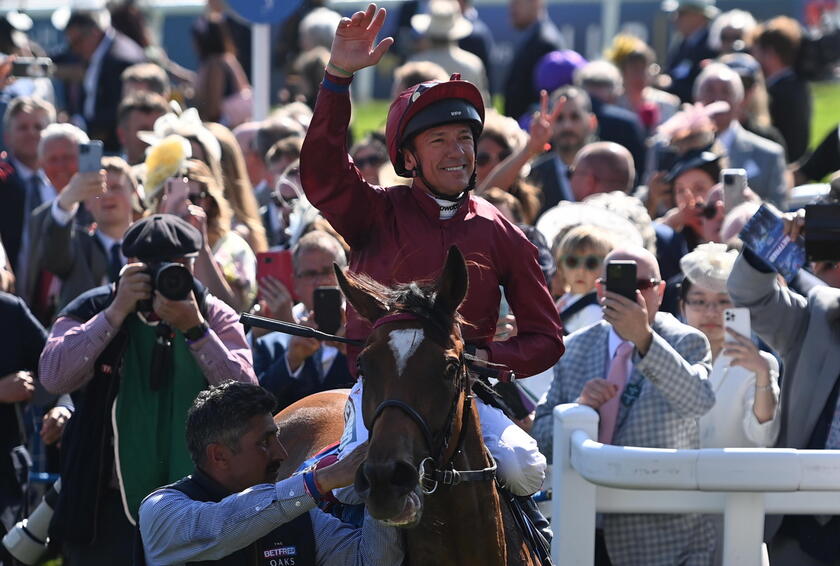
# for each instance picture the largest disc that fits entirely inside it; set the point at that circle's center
(134, 361)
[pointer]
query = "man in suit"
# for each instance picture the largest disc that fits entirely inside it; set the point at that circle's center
(776, 46)
(808, 342)
(603, 82)
(691, 20)
(574, 127)
(294, 367)
(23, 337)
(23, 185)
(763, 160)
(646, 374)
(540, 37)
(58, 157)
(81, 259)
(106, 54)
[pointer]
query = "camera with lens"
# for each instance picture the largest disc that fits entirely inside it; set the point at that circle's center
(27, 541)
(173, 280)
(822, 228)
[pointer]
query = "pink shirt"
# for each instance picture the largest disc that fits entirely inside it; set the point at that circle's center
(73, 347)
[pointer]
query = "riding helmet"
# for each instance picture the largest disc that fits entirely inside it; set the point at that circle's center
(431, 104)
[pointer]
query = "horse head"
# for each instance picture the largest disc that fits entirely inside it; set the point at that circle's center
(415, 381)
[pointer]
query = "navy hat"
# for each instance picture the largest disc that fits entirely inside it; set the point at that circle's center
(161, 237)
(695, 159)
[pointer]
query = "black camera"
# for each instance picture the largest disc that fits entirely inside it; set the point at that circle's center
(822, 228)
(173, 280)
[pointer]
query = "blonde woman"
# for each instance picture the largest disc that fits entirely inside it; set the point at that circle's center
(238, 190)
(226, 263)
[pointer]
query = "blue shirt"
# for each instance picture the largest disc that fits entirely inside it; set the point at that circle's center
(177, 529)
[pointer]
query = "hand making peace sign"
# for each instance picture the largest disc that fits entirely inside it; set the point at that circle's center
(542, 125)
(353, 46)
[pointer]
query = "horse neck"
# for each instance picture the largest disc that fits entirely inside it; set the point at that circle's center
(465, 520)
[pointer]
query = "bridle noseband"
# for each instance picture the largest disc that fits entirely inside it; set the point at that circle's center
(430, 470)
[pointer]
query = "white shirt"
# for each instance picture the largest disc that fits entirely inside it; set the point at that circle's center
(328, 353)
(731, 423)
(589, 314)
(91, 79)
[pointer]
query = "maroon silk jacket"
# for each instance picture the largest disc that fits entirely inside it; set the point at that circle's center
(397, 236)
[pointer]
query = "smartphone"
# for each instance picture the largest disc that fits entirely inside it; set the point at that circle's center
(621, 278)
(734, 183)
(277, 264)
(32, 67)
(176, 190)
(738, 319)
(327, 303)
(90, 156)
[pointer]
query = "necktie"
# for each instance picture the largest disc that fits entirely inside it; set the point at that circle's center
(618, 375)
(114, 263)
(34, 196)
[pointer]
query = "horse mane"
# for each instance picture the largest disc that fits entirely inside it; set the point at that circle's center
(417, 298)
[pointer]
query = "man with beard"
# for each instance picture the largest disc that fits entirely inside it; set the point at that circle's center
(232, 509)
(574, 128)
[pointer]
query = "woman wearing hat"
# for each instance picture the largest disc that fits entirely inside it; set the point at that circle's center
(744, 378)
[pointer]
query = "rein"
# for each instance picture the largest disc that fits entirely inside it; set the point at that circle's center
(431, 472)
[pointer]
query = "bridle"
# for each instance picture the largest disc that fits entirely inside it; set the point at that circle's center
(431, 470)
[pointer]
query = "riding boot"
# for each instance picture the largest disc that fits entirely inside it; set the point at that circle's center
(530, 508)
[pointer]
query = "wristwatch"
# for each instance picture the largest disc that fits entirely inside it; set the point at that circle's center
(196, 332)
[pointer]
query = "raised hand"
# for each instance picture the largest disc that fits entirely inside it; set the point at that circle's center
(353, 47)
(542, 126)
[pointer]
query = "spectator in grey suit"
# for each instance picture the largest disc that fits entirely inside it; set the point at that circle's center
(58, 158)
(646, 374)
(763, 159)
(806, 333)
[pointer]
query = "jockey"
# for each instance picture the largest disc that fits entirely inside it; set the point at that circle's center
(401, 234)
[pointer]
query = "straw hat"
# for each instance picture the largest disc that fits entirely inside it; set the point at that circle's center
(444, 21)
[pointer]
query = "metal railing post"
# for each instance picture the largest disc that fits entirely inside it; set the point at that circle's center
(574, 530)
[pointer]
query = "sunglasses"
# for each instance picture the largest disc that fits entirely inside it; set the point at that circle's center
(589, 262)
(483, 158)
(641, 284)
(363, 162)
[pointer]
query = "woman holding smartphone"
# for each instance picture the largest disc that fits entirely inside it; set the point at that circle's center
(226, 264)
(745, 379)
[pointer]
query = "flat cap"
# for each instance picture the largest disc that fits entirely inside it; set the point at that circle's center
(161, 237)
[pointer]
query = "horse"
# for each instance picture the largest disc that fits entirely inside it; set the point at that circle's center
(427, 469)
(309, 425)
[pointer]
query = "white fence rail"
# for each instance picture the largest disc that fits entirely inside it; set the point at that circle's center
(741, 483)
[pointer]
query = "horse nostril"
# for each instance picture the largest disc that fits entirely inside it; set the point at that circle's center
(404, 476)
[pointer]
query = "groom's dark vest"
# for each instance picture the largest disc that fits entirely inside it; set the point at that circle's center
(290, 544)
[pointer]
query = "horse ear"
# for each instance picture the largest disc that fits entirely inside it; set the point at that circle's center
(365, 304)
(453, 282)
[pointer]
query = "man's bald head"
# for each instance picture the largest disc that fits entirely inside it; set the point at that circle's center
(602, 167)
(647, 268)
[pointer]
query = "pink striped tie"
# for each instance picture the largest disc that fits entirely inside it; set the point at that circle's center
(617, 375)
